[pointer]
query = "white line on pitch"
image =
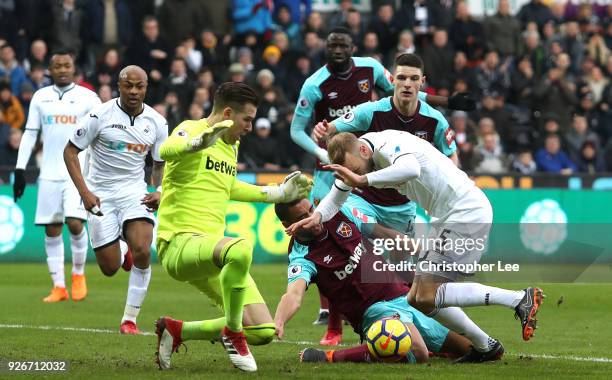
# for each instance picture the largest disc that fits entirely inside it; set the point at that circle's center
(303, 343)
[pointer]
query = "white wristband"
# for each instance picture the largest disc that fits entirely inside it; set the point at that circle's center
(159, 189)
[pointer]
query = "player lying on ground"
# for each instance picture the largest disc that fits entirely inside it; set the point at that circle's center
(119, 134)
(57, 110)
(199, 181)
(322, 255)
(415, 168)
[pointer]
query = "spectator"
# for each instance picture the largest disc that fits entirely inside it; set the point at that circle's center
(296, 76)
(196, 112)
(272, 99)
(68, 22)
(489, 157)
(524, 163)
(174, 110)
(493, 107)
(38, 78)
(251, 16)
(493, 76)
(535, 51)
(272, 61)
(12, 112)
(281, 41)
(555, 96)
(260, 150)
(421, 16)
(214, 55)
(37, 55)
(577, 135)
(10, 69)
(597, 83)
(467, 34)
(405, 44)
(573, 44)
(105, 93)
(150, 50)
(338, 17)
(245, 57)
(597, 50)
(108, 70)
(10, 138)
(522, 82)
(535, 11)
(438, 58)
(206, 79)
(180, 82)
(462, 72)
(551, 159)
(202, 98)
(354, 24)
(236, 72)
(192, 57)
(284, 23)
(386, 28)
(591, 161)
(27, 92)
(108, 25)
(295, 9)
(179, 19)
(314, 23)
(314, 47)
(503, 31)
(370, 46)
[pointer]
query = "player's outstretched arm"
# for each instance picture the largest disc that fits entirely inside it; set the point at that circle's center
(295, 186)
(462, 101)
(189, 137)
(289, 304)
(90, 201)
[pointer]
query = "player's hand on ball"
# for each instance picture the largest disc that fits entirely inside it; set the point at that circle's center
(91, 203)
(347, 176)
(462, 101)
(151, 200)
(210, 135)
(295, 186)
(311, 223)
(320, 130)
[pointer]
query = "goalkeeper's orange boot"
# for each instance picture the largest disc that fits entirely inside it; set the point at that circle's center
(79, 287)
(57, 295)
(331, 338)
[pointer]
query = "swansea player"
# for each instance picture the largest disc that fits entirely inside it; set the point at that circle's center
(199, 182)
(119, 134)
(400, 160)
(323, 255)
(55, 111)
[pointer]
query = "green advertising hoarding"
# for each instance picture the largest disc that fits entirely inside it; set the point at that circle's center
(21, 240)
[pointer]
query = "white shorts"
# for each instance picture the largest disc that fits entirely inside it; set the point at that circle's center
(460, 238)
(58, 200)
(116, 210)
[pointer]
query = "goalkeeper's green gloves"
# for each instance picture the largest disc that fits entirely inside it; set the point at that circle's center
(210, 135)
(295, 186)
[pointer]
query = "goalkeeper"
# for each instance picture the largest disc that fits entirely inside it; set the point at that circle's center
(199, 181)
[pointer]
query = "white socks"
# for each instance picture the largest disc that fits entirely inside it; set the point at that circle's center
(474, 294)
(137, 289)
(78, 246)
(54, 246)
(455, 319)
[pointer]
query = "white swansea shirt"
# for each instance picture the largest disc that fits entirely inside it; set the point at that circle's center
(118, 144)
(58, 114)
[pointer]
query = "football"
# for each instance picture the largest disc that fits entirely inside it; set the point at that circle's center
(388, 339)
(11, 224)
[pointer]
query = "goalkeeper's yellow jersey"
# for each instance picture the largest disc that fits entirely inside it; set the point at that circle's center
(198, 185)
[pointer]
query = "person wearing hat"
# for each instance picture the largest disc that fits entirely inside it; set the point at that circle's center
(236, 72)
(260, 149)
(272, 61)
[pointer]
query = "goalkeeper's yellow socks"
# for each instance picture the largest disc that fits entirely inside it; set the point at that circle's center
(236, 259)
(256, 335)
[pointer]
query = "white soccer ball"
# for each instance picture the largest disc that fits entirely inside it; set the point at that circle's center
(543, 227)
(11, 224)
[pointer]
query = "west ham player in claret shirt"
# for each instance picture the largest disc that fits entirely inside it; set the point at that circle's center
(336, 257)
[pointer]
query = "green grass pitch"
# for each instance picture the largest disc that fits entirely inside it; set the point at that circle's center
(573, 341)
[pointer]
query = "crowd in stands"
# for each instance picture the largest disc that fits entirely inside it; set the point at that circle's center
(542, 77)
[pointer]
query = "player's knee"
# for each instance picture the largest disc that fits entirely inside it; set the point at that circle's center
(75, 226)
(240, 254)
(423, 302)
(108, 270)
(259, 335)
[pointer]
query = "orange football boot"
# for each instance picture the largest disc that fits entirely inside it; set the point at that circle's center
(79, 287)
(57, 295)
